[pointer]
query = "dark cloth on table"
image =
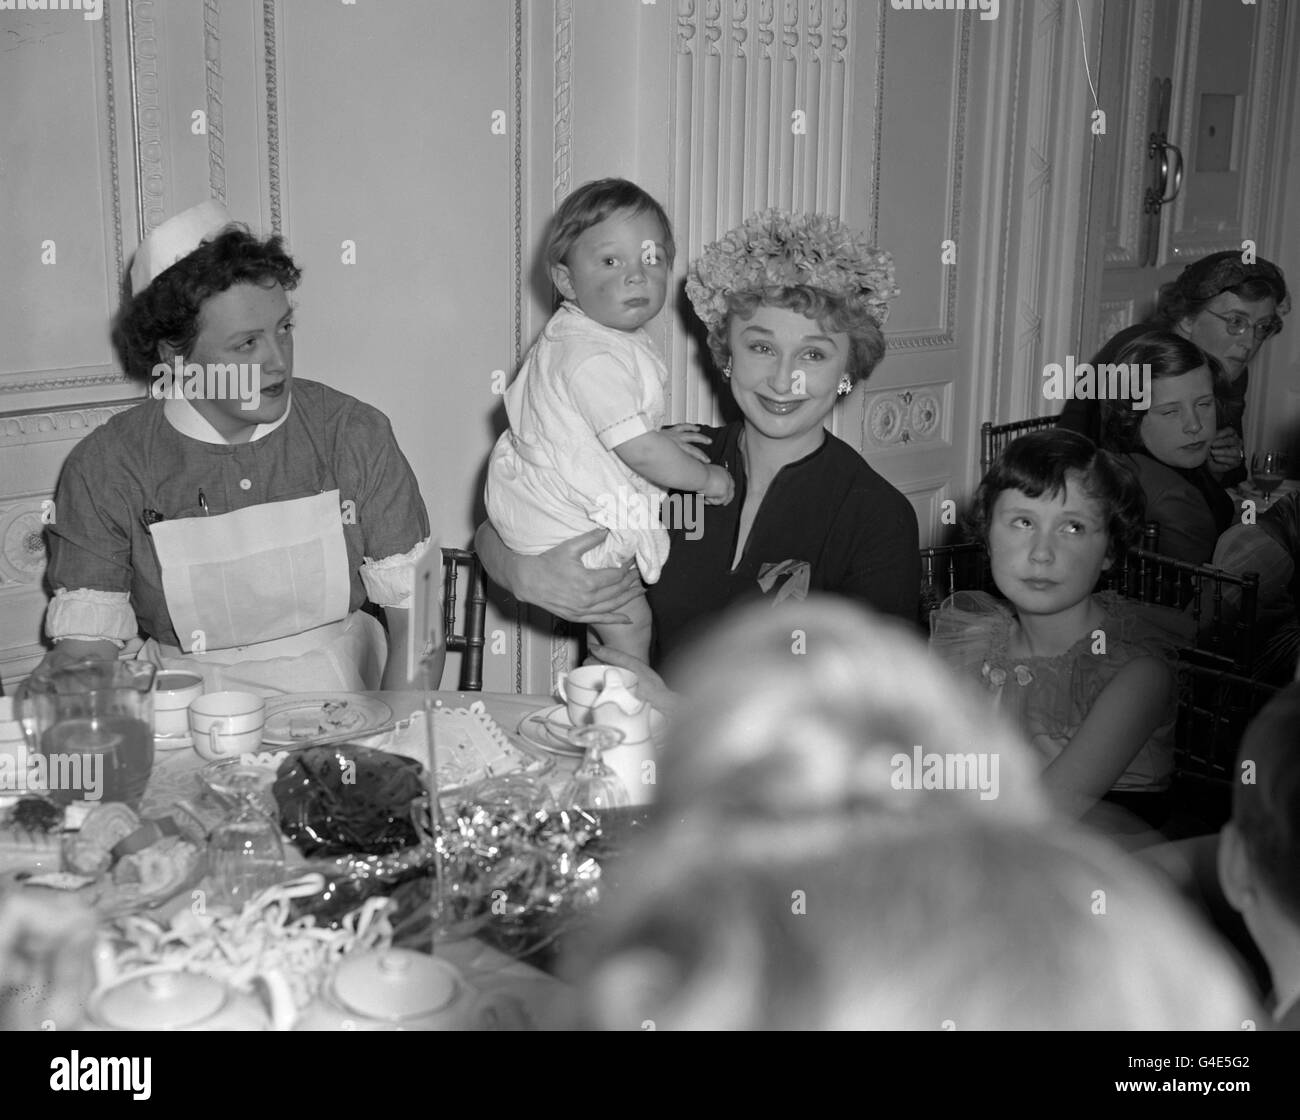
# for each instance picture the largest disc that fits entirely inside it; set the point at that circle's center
(1190, 507)
(828, 523)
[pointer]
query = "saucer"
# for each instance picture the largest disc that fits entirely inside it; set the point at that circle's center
(532, 729)
(173, 742)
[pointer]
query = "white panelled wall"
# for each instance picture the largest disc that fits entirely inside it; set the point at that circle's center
(412, 153)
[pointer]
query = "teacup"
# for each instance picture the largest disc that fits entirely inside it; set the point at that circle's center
(225, 724)
(580, 688)
(174, 691)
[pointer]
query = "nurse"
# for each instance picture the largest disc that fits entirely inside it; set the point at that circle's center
(240, 517)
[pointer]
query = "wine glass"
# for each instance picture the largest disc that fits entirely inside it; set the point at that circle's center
(595, 786)
(1268, 469)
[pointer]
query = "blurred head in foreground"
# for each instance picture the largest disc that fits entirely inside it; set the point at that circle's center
(1259, 849)
(904, 924)
(821, 707)
(824, 862)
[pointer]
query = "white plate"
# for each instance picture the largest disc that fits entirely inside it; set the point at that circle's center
(532, 729)
(360, 716)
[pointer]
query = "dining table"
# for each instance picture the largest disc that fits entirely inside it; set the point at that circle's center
(525, 996)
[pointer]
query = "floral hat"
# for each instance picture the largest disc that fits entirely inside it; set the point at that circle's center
(778, 249)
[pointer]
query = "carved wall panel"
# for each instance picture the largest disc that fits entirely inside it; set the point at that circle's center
(903, 418)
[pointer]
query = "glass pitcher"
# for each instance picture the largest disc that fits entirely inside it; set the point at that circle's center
(89, 727)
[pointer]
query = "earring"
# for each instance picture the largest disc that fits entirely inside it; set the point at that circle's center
(845, 386)
(726, 371)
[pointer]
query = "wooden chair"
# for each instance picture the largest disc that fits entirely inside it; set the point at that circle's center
(469, 640)
(994, 437)
(1223, 605)
(1215, 705)
(947, 569)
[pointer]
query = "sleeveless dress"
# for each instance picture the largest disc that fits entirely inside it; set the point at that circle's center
(1050, 697)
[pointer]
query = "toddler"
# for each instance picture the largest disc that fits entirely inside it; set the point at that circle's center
(1088, 676)
(584, 449)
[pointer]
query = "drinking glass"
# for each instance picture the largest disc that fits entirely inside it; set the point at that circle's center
(245, 851)
(595, 786)
(1268, 469)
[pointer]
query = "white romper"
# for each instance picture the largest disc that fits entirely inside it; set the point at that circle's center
(584, 389)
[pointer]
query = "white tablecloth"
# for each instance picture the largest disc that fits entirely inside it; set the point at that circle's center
(539, 997)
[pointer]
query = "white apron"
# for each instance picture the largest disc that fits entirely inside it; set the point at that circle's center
(259, 600)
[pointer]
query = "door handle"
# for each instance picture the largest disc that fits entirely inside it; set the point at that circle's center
(1164, 192)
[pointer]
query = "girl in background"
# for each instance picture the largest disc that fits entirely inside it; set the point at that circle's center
(1087, 676)
(1168, 445)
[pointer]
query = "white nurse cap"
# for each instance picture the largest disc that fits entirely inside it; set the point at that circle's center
(176, 239)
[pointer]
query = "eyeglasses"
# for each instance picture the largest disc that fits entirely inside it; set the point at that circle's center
(1238, 323)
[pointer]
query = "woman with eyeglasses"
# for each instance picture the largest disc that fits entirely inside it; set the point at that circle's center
(1228, 309)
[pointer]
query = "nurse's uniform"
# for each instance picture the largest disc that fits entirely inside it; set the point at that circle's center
(247, 563)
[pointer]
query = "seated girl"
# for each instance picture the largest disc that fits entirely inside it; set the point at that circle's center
(1088, 676)
(1168, 443)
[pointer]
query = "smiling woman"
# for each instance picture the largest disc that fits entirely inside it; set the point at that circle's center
(238, 533)
(794, 304)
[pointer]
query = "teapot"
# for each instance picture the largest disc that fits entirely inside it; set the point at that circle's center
(167, 998)
(392, 990)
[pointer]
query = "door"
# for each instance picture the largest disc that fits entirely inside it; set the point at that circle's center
(1203, 77)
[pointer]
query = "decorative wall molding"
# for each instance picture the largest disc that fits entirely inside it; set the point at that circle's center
(147, 116)
(712, 26)
(43, 380)
(114, 169)
(896, 418)
(686, 25)
(23, 516)
(1123, 237)
(563, 127)
(272, 111)
(1187, 244)
(22, 543)
(739, 26)
(839, 29)
(766, 34)
(216, 113)
(878, 126)
(64, 424)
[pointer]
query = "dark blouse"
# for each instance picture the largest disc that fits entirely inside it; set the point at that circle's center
(827, 523)
(1191, 508)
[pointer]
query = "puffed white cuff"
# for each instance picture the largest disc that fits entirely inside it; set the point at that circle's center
(91, 616)
(390, 582)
